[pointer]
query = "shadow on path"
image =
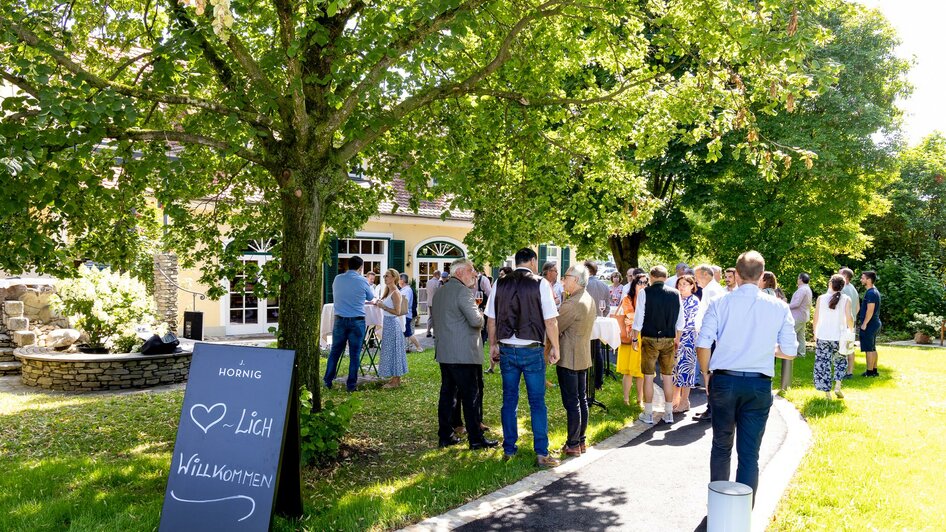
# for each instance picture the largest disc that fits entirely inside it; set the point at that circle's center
(566, 504)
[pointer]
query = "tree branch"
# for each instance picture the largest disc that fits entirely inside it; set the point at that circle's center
(399, 47)
(186, 138)
(287, 34)
(526, 101)
(30, 39)
(448, 90)
(22, 83)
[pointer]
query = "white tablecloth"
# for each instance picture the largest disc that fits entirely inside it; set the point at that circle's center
(373, 317)
(607, 330)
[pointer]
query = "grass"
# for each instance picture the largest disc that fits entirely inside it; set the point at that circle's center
(878, 457)
(101, 462)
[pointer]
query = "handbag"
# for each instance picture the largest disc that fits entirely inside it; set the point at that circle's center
(846, 344)
(161, 345)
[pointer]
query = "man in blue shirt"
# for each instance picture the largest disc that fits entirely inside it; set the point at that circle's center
(748, 326)
(350, 290)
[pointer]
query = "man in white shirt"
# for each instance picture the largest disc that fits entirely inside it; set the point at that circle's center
(522, 314)
(705, 277)
(550, 274)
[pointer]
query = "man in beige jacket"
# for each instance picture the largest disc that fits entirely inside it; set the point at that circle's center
(576, 319)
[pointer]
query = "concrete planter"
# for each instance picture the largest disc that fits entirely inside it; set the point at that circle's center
(922, 338)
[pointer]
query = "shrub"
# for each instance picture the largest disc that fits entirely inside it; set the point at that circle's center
(908, 288)
(106, 305)
(321, 432)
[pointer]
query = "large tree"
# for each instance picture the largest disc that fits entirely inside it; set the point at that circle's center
(802, 214)
(244, 119)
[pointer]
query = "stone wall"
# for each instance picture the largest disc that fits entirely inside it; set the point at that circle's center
(165, 288)
(51, 371)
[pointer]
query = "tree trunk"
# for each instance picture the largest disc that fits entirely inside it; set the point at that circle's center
(300, 293)
(626, 250)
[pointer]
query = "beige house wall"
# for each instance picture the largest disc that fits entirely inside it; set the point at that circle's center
(413, 230)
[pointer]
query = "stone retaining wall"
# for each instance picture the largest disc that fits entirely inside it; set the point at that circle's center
(80, 372)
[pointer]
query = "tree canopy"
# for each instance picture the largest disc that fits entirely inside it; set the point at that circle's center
(245, 119)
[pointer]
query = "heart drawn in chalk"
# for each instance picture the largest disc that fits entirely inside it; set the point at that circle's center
(207, 414)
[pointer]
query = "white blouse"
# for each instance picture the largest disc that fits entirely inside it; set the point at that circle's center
(831, 321)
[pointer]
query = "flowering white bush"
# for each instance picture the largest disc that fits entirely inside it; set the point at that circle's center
(928, 324)
(108, 306)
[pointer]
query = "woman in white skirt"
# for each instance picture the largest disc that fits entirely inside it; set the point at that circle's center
(393, 362)
(832, 318)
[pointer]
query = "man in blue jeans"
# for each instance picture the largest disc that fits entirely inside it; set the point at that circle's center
(522, 313)
(745, 324)
(350, 290)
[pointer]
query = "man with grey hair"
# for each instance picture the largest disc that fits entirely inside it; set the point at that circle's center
(550, 273)
(750, 329)
(600, 293)
(717, 273)
(576, 319)
(681, 271)
(459, 351)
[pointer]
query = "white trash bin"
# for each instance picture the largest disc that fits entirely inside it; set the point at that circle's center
(729, 507)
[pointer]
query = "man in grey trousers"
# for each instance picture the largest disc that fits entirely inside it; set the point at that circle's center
(458, 349)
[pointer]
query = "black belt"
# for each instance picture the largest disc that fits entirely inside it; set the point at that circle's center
(356, 318)
(749, 374)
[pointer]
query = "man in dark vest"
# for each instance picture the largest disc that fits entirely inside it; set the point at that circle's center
(522, 314)
(659, 320)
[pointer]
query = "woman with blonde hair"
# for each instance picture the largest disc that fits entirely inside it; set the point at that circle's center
(393, 361)
(629, 357)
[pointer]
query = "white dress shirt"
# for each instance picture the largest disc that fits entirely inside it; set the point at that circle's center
(746, 325)
(549, 310)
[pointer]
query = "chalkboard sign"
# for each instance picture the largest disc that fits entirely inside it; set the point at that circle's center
(225, 470)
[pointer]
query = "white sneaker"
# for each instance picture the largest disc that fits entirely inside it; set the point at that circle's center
(646, 418)
(668, 416)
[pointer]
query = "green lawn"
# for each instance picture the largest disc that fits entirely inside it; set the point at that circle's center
(878, 458)
(101, 463)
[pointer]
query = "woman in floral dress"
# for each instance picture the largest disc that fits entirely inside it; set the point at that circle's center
(393, 361)
(684, 372)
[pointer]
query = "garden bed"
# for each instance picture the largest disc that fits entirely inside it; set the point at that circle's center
(51, 370)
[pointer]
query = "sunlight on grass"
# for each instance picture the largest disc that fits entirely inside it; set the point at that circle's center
(879, 455)
(100, 462)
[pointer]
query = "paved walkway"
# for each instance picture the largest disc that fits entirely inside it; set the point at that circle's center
(648, 478)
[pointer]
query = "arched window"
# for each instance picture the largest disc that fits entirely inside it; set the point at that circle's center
(440, 250)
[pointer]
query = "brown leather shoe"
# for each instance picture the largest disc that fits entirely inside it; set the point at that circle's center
(583, 448)
(571, 451)
(547, 461)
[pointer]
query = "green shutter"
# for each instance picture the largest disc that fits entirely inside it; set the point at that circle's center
(566, 260)
(495, 273)
(329, 272)
(543, 255)
(396, 255)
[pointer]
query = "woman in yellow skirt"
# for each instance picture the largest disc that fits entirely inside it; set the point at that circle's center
(629, 359)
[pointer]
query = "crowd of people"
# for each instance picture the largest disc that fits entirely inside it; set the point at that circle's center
(689, 328)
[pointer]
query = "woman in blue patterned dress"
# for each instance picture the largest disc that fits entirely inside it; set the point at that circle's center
(684, 371)
(393, 362)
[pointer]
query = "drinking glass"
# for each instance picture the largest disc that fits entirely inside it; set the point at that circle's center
(602, 305)
(478, 296)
